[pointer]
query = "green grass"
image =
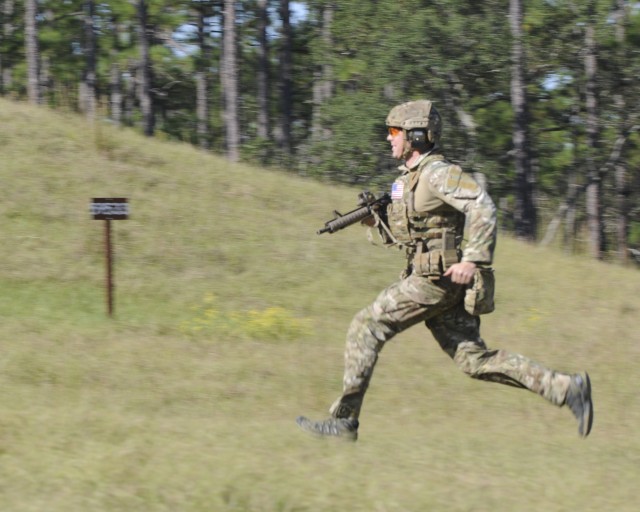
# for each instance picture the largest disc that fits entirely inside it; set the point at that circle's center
(137, 413)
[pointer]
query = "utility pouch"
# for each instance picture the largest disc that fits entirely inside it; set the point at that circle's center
(426, 263)
(435, 254)
(450, 253)
(478, 299)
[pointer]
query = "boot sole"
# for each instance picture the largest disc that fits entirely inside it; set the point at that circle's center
(346, 435)
(588, 405)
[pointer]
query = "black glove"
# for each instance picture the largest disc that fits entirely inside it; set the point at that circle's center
(365, 197)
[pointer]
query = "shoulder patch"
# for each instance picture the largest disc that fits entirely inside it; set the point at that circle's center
(461, 185)
(453, 179)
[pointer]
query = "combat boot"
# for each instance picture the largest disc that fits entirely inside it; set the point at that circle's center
(332, 427)
(579, 401)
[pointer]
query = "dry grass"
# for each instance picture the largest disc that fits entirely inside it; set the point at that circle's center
(134, 414)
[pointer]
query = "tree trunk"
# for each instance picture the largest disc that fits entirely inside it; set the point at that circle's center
(203, 129)
(44, 78)
(323, 86)
(286, 80)
(594, 179)
(567, 209)
(622, 214)
(144, 72)
(573, 189)
(621, 186)
(115, 87)
(264, 128)
(230, 81)
(130, 93)
(32, 51)
(202, 109)
(524, 212)
(90, 50)
(6, 60)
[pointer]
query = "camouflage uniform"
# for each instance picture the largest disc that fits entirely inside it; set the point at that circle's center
(430, 201)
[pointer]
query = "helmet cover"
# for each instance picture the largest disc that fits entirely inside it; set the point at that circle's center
(419, 114)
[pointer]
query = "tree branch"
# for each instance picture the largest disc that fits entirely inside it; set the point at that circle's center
(618, 146)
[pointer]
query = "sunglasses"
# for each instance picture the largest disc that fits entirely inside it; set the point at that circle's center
(393, 131)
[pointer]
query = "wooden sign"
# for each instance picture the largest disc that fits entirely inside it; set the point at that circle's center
(110, 208)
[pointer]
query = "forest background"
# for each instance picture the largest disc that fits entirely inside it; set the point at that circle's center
(538, 97)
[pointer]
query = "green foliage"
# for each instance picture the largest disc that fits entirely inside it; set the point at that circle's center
(494, 136)
(634, 234)
(358, 139)
(455, 52)
(258, 149)
(381, 57)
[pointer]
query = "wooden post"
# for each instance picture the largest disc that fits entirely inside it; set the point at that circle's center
(109, 254)
(108, 209)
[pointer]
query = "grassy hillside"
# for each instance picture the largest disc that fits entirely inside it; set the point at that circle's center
(230, 321)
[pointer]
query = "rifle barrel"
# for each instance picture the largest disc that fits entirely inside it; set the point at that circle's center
(343, 221)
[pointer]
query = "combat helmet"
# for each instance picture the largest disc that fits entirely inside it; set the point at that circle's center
(420, 122)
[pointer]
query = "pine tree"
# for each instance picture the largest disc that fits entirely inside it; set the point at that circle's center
(230, 82)
(7, 45)
(525, 211)
(88, 94)
(32, 52)
(144, 70)
(262, 76)
(286, 80)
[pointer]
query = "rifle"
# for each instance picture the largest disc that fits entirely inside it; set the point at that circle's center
(368, 203)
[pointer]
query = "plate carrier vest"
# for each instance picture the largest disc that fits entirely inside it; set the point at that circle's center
(432, 238)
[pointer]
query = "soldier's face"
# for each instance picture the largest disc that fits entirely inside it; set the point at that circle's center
(396, 138)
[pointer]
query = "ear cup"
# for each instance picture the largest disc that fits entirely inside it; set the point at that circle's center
(418, 138)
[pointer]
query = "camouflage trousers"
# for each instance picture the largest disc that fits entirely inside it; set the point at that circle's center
(440, 304)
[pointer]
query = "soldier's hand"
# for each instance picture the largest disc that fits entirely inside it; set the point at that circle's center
(461, 273)
(365, 197)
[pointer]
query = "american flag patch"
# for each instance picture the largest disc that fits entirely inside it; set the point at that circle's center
(397, 189)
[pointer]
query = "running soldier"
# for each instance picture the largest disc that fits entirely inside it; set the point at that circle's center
(444, 285)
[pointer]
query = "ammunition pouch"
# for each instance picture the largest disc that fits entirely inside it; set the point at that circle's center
(435, 253)
(478, 299)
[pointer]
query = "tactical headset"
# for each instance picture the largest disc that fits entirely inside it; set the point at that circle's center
(418, 138)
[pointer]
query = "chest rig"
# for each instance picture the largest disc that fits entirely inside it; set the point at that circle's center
(431, 238)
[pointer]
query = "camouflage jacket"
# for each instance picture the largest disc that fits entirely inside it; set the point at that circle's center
(431, 191)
